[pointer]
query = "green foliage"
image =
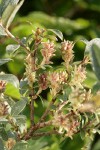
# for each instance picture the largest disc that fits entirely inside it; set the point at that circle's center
(10, 78)
(3, 61)
(42, 95)
(94, 48)
(12, 91)
(1, 145)
(69, 144)
(11, 49)
(18, 107)
(8, 11)
(96, 87)
(57, 32)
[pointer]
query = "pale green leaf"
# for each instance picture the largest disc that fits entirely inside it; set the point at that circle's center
(10, 78)
(14, 13)
(85, 41)
(89, 44)
(57, 33)
(9, 9)
(3, 120)
(3, 61)
(20, 145)
(12, 48)
(95, 57)
(4, 4)
(96, 87)
(2, 31)
(21, 119)
(18, 107)
(38, 144)
(82, 134)
(1, 145)
(23, 86)
(94, 48)
(8, 99)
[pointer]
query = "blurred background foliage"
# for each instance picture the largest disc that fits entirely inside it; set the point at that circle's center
(77, 20)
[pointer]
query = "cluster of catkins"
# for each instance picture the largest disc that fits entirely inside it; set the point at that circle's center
(72, 76)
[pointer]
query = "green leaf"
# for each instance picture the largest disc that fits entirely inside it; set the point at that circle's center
(57, 32)
(38, 144)
(21, 119)
(3, 61)
(96, 87)
(3, 5)
(23, 86)
(94, 48)
(10, 49)
(1, 145)
(69, 144)
(97, 145)
(3, 134)
(12, 91)
(2, 31)
(10, 101)
(89, 44)
(85, 41)
(95, 57)
(18, 107)
(8, 127)
(82, 134)
(9, 9)
(3, 120)
(20, 145)
(10, 78)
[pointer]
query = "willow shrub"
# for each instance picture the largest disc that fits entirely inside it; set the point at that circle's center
(72, 108)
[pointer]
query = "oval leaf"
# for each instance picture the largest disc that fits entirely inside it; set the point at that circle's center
(12, 48)
(10, 78)
(12, 91)
(3, 120)
(1, 145)
(4, 4)
(96, 87)
(20, 145)
(15, 10)
(9, 9)
(57, 32)
(82, 134)
(21, 119)
(3, 61)
(18, 107)
(89, 44)
(95, 57)
(94, 48)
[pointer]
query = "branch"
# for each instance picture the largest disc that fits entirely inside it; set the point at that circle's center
(32, 109)
(17, 40)
(45, 133)
(36, 127)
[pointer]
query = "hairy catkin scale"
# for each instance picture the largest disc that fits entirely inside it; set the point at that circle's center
(10, 143)
(3, 109)
(2, 86)
(67, 51)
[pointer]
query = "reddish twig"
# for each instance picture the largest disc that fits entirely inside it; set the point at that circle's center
(36, 127)
(45, 133)
(27, 50)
